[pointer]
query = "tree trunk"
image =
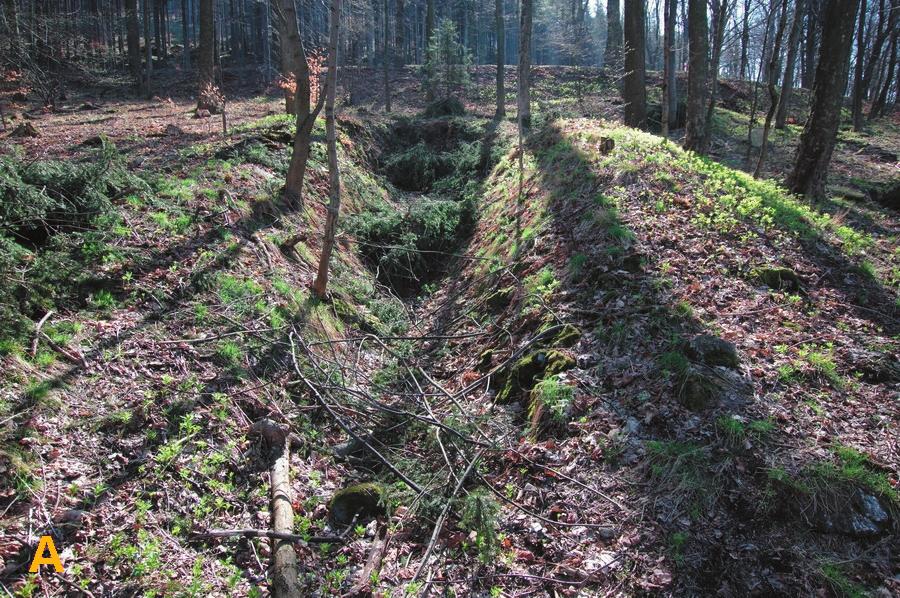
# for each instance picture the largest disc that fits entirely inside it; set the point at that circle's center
(773, 91)
(133, 33)
(817, 142)
(745, 41)
(857, 99)
(669, 86)
(429, 31)
(501, 58)
(881, 100)
(186, 35)
(399, 35)
(148, 50)
(698, 63)
(334, 203)
(634, 88)
(284, 559)
(298, 68)
(881, 33)
(524, 97)
(789, 67)
(206, 58)
(720, 19)
(12, 19)
(386, 60)
(812, 35)
(612, 55)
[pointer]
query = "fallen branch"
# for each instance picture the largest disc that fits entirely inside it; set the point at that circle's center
(37, 332)
(284, 559)
(266, 533)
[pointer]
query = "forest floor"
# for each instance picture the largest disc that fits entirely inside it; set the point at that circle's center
(651, 372)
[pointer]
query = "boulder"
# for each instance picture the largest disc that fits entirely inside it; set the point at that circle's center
(364, 502)
(702, 387)
(525, 373)
(863, 515)
(781, 279)
(712, 350)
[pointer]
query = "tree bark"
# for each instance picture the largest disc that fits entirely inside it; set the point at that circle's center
(698, 63)
(720, 19)
(881, 100)
(810, 170)
(669, 86)
(856, 98)
(284, 559)
(399, 35)
(429, 31)
(186, 34)
(386, 60)
(634, 88)
(206, 58)
(148, 50)
(789, 66)
(881, 34)
(612, 55)
(773, 90)
(500, 25)
(745, 41)
(133, 33)
(12, 19)
(524, 96)
(334, 177)
(298, 68)
(812, 35)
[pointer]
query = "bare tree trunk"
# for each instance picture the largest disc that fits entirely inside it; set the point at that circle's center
(524, 97)
(206, 60)
(399, 35)
(501, 58)
(720, 19)
(697, 76)
(861, 93)
(284, 559)
(773, 90)
(429, 31)
(334, 177)
(186, 34)
(634, 87)
(789, 67)
(669, 85)
(298, 68)
(817, 142)
(857, 99)
(612, 56)
(12, 19)
(148, 50)
(745, 40)
(881, 100)
(386, 59)
(133, 34)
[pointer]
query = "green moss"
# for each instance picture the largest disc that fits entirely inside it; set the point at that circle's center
(778, 278)
(525, 373)
(365, 500)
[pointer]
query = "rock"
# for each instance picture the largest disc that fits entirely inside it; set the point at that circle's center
(173, 130)
(88, 106)
(702, 387)
(862, 516)
(567, 337)
(202, 113)
(26, 129)
(529, 370)
(363, 501)
(95, 141)
(712, 350)
(783, 279)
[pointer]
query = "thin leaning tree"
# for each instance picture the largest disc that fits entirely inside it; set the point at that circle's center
(334, 176)
(303, 77)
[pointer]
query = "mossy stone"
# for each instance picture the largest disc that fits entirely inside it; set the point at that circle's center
(712, 351)
(697, 391)
(778, 278)
(529, 370)
(484, 360)
(567, 337)
(364, 501)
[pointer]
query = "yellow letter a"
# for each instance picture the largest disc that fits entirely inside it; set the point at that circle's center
(46, 543)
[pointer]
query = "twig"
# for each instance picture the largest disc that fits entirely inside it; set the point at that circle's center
(37, 332)
(440, 521)
(266, 533)
(73, 585)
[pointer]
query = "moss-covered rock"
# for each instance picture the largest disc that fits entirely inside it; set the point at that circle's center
(567, 337)
(782, 279)
(525, 373)
(713, 350)
(697, 390)
(363, 501)
(485, 360)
